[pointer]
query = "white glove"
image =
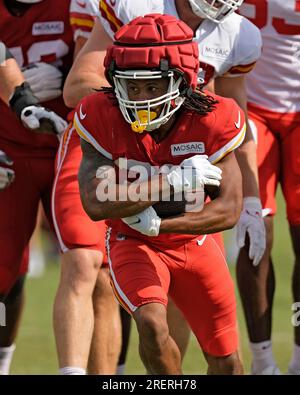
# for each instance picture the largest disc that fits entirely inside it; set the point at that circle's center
(193, 174)
(45, 80)
(251, 221)
(147, 222)
(7, 176)
(32, 115)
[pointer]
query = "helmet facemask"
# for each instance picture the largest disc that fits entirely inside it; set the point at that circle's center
(215, 10)
(141, 114)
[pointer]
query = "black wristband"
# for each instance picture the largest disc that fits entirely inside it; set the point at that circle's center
(22, 97)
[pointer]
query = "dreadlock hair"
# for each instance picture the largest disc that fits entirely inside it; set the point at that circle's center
(197, 101)
(200, 102)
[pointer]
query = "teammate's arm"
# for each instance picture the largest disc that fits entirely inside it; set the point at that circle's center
(246, 152)
(10, 74)
(85, 74)
(251, 221)
(217, 215)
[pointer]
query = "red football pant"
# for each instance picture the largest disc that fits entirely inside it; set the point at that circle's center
(18, 212)
(278, 155)
(74, 229)
(194, 274)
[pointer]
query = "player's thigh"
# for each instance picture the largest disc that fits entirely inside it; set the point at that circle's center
(139, 275)
(204, 291)
(18, 212)
(268, 161)
(290, 179)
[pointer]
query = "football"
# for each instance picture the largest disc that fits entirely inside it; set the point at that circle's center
(185, 202)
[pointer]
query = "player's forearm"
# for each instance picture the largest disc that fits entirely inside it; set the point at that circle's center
(221, 213)
(99, 211)
(106, 200)
(216, 216)
(10, 77)
(247, 160)
(80, 85)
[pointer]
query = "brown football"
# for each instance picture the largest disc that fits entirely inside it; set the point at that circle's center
(46, 126)
(183, 202)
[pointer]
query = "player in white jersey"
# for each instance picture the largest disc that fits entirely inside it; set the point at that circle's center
(228, 50)
(274, 110)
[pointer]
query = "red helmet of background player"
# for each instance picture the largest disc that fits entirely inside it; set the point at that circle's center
(151, 47)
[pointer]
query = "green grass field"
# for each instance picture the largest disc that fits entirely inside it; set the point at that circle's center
(35, 353)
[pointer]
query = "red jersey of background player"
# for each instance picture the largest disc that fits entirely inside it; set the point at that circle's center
(42, 34)
(99, 121)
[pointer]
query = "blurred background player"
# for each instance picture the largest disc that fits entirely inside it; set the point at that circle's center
(10, 78)
(229, 46)
(38, 33)
(86, 314)
(274, 110)
(151, 258)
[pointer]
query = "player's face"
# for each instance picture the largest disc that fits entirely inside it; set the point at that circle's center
(139, 90)
(147, 89)
(215, 4)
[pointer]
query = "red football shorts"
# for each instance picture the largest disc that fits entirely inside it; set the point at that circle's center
(278, 155)
(74, 229)
(220, 241)
(194, 274)
(19, 205)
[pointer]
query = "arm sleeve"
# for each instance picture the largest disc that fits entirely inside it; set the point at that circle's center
(249, 48)
(88, 124)
(116, 13)
(227, 139)
(82, 17)
(110, 17)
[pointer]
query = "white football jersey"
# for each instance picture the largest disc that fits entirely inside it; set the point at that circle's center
(275, 82)
(83, 14)
(230, 48)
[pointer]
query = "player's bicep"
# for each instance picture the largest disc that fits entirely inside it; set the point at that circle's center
(79, 43)
(231, 184)
(233, 88)
(96, 45)
(87, 72)
(92, 166)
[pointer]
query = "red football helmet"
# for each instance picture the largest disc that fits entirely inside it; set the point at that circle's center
(150, 47)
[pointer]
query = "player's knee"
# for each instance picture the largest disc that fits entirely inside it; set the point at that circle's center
(269, 232)
(8, 281)
(15, 292)
(229, 365)
(153, 329)
(80, 269)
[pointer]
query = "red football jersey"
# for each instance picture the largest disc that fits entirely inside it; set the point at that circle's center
(99, 121)
(42, 34)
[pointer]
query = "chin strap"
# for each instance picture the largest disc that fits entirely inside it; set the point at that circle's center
(143, 119)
